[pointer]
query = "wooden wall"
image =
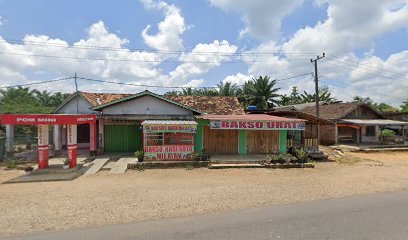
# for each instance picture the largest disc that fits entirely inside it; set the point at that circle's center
(220, 141)
(259, 141)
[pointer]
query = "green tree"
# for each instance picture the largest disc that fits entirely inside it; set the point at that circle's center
(381, 107)
(292, 99)
(189, 91)
(227, 89)
(261, 92)
(172, 93)
(206, 92)
(24, 100)
(324, 96)
(404, 106)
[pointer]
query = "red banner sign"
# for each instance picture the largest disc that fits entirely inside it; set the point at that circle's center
(169, 152)
(46, 119)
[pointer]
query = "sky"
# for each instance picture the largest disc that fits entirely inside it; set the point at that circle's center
(200, 43)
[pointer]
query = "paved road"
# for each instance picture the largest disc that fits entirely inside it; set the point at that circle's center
(376, 216)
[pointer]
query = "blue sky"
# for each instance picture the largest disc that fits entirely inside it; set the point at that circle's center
(362, 41)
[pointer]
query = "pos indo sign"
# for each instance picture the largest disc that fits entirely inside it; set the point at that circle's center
(257, 125)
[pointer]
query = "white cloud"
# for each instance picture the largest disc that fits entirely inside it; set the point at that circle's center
(238, 79)
(201, 59)
(170, 29)
(262, 18)
(350, 25)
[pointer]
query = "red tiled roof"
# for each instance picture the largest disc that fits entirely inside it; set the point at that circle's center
(205, 104)
(221, 105)
(97, 99)
(249, 117)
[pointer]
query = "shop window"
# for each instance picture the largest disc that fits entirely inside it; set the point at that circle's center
(370, 131)
(168, 138)
(153, 139)
(186, 138)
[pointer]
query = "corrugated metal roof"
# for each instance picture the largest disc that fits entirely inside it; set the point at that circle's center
(168, 122)
(374, 122)
(249, 117)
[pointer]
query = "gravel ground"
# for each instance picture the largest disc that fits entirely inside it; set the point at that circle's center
(138, 196)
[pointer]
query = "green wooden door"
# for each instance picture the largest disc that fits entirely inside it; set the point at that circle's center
(123, 138)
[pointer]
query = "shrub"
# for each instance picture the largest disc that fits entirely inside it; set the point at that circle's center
(387, 133)
(11, 164)
(139, 154)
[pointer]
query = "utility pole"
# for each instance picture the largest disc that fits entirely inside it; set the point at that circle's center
(316, 79)
(77, 93)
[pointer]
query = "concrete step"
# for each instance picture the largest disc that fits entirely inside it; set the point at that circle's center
(97, 164)
(121, 165)
(235, 165)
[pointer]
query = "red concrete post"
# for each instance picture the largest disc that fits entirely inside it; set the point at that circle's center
(42, 149)
(72, 145)
(92, 147)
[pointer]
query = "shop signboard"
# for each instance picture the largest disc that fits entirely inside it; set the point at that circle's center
(46, 119)
(168, 152)
(184, 128)
(257, 125)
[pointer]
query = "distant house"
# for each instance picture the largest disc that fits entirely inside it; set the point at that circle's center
(352, 122)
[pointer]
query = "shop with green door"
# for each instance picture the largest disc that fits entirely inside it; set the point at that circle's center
(123, 137)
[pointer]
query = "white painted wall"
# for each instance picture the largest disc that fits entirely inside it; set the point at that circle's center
(368, 139)
(146, 105)
(71, 107)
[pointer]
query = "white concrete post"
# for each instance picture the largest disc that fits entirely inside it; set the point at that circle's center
(42, 149)
(57, 138)
(9, 138)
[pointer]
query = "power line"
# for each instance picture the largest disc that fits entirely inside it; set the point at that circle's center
(36, 83)
(93, 47)
(141, 60)
(174, 87)
(370, 68)
(369, 73)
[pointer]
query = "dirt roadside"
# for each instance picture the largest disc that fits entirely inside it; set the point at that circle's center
(152, 194)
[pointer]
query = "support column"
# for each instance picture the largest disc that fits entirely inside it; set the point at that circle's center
(72, 145)
(9, 139)
(42, 149)
(242, 141)
(57, 140)
(101, 141)
(92, 139)
(283, 135)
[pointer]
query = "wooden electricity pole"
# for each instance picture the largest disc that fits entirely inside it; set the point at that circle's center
(316, 79)
(77, 93)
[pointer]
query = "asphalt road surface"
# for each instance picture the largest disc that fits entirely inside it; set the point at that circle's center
(375, 216)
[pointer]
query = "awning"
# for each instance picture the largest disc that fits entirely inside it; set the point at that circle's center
(155, 126)
(168, 122)
(374, 122)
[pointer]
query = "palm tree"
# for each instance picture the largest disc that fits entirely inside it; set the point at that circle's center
(44, 98)
(324, 97)
(227, 89)
(187, 91)
(261, 92)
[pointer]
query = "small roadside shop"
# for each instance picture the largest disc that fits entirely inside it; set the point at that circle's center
(247, 134)
(168, 140)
